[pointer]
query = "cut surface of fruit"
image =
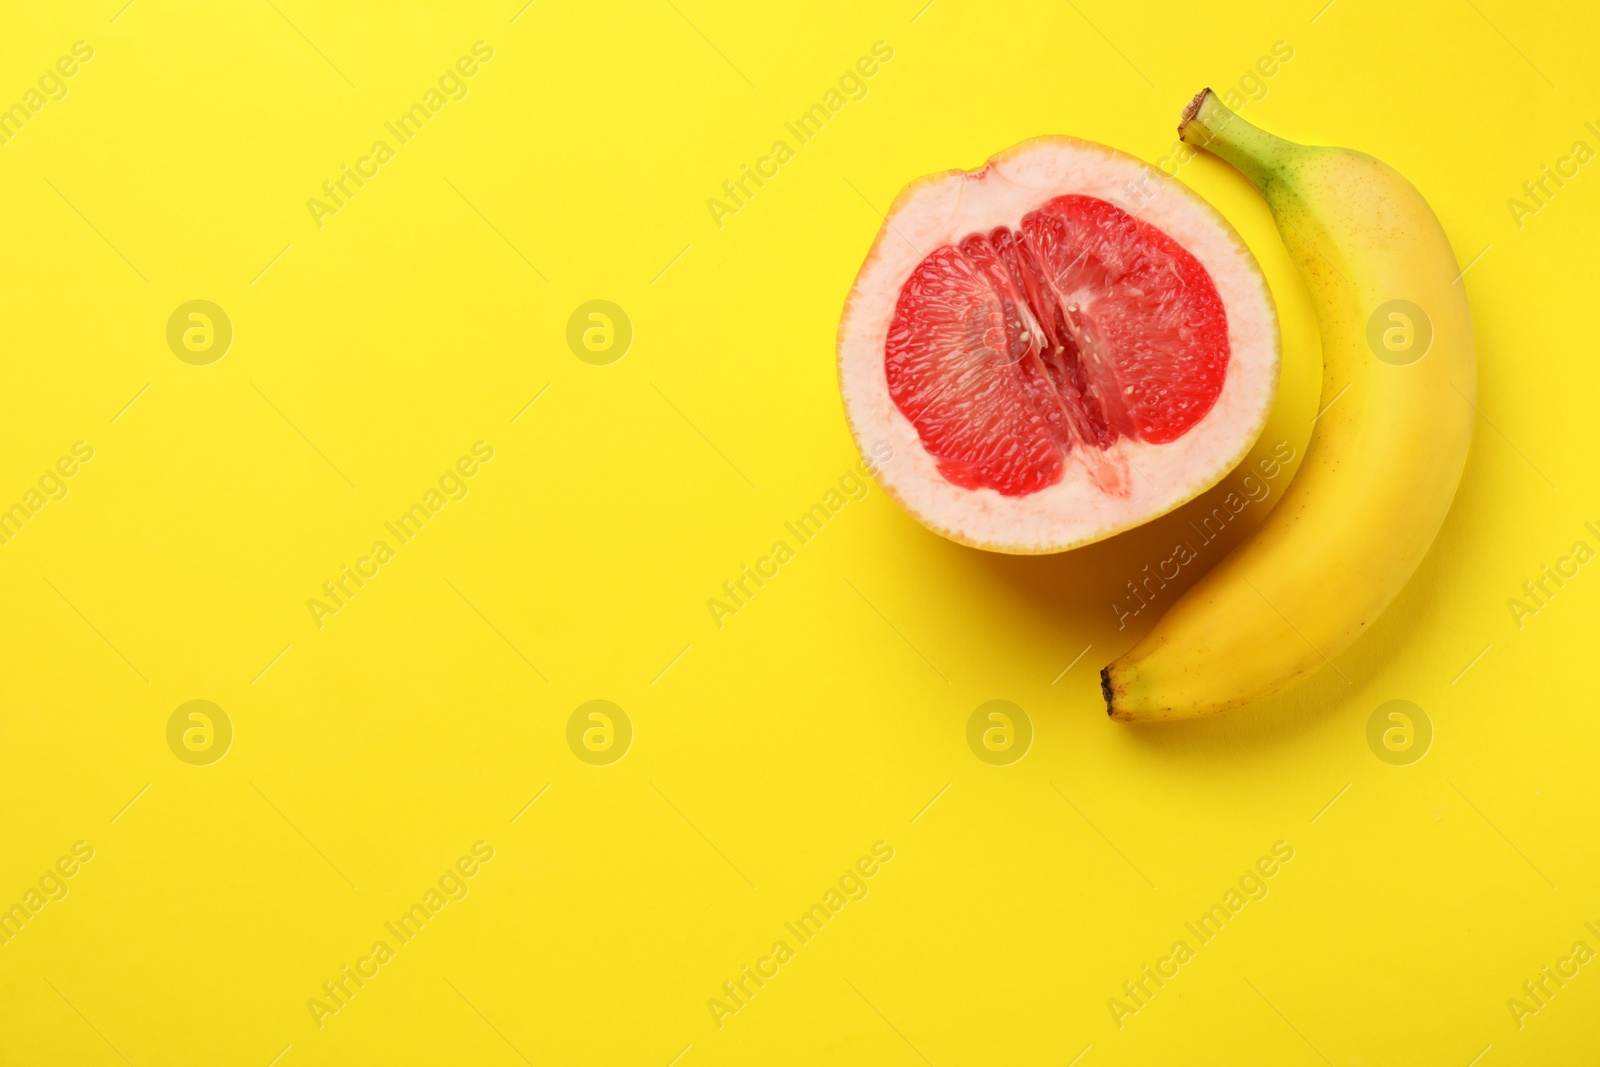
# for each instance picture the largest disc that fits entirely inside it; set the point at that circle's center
(1010, 349)
(1056, 347)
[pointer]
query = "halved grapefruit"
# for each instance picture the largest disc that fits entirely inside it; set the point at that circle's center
(1059, 346)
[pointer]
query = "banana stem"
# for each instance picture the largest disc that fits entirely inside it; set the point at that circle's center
(1260, 156)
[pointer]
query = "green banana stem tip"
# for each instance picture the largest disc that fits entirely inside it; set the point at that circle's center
(1261, 157)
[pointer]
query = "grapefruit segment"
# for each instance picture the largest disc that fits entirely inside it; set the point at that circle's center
(1051, 362)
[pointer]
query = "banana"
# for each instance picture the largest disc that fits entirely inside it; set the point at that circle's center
(1386, 452)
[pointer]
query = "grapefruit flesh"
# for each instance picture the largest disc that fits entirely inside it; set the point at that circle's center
(1056, 347)
(1011, 349)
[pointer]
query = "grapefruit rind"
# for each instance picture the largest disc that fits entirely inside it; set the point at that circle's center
(942, 208)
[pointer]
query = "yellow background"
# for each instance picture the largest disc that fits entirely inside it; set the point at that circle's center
(826, 715)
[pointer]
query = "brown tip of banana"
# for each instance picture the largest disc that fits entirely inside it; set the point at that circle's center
(1108, 690)
(1192, 110)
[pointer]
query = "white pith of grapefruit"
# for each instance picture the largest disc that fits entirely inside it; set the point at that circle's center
(1059, 346)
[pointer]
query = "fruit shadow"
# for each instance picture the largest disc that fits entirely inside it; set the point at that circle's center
(1109, 594)
(1071, 584)
(1330, 691)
